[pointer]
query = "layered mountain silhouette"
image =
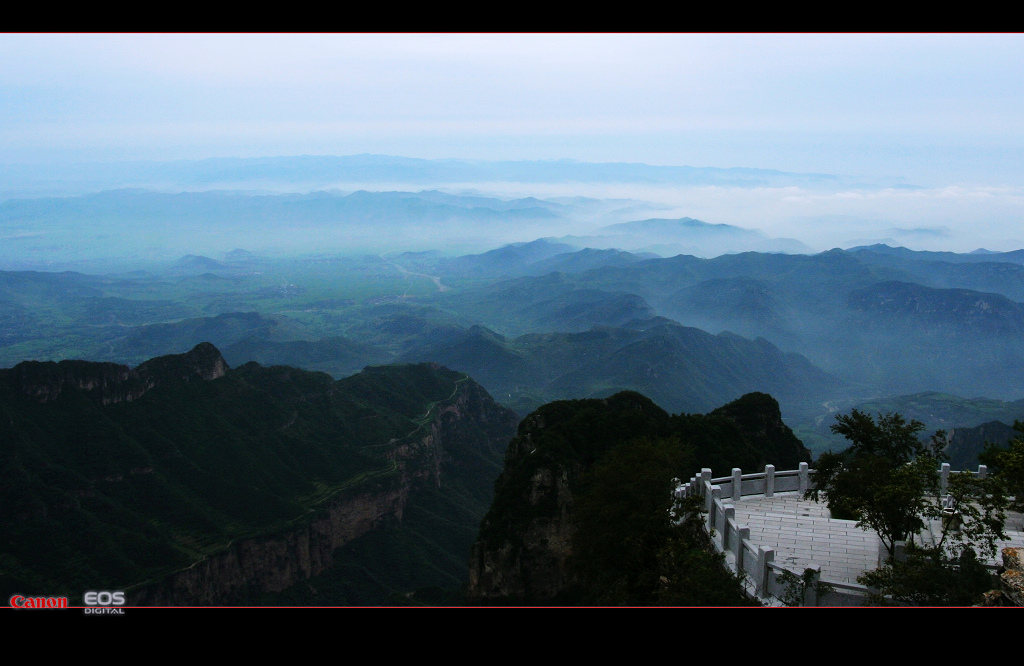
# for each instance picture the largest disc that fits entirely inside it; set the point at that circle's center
(183, 481)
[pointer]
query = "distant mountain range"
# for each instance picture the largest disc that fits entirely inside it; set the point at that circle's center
(685, 236)
(682, 369)
(318, 172)
(540, 320)
(143, 223)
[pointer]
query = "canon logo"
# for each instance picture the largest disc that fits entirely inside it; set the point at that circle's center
(18, 601)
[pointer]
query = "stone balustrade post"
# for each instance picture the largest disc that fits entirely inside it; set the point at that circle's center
(765, 556)
(737, 483)
(710, 505)
(769, 481)
(739, 551)
(728, 514)
(804, 478)
(982, 471)
(944, 472)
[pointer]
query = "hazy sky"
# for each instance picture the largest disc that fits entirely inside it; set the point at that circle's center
(941, 109)
(944, 112)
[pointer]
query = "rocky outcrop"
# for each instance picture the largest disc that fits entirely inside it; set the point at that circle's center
(450, 443)
(1010, 589)
(526, 550)
(534, 565)
(109, 383)
(1012, 579)
(758, 416)
(275, 563)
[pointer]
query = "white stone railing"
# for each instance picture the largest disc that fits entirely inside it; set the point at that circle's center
(764, 578)
(944, 473)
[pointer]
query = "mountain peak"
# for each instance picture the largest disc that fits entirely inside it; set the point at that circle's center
(203, 361)
(109, 383)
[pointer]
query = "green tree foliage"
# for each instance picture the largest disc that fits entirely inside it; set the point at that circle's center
(1008, 465)
(948, 573)
(926, 580)
(797, 587)
(691, 572)
(95, 494)
(628, 548)
(889, 481)
(973, 514)
(884, 479)
(617, 458)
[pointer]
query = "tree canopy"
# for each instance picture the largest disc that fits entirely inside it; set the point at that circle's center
(884, 479)
(1008, 465)
(889, 481)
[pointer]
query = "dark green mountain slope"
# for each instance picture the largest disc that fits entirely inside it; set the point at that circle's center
(680, 368)
(902, 337)
(902, 307)
(337, 356)
(966, 444)
(998, 273)
(580, 513)
(887, 323)
(942, 411)
(553, 302)
(223, 330)
(968, 421)
(115, 476)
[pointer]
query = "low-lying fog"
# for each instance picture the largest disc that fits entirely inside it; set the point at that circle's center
(149, 211)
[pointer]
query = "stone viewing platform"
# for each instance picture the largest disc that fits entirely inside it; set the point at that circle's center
(774, 536)
(803, 535)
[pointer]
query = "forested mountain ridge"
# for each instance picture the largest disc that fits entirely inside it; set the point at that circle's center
(247, 480)
(541, 321)
(580, 513)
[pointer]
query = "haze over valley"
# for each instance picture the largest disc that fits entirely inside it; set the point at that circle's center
(688, 312)
(364, 265)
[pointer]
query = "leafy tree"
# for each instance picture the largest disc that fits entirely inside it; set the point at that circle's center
(629, 547)
(883, 481)
(973, 514)
(1007, 464)
(691, 572)
(797, 587)
(926, 580)
(888, 480)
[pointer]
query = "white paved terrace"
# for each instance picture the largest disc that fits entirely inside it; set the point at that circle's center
(802, 533)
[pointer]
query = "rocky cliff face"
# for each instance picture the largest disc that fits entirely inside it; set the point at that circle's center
(759, 418)
(460, 429)
(241, 482)
(534, 565)
(109, 383)
(525, 545)
(275, 563)
(525, 550)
